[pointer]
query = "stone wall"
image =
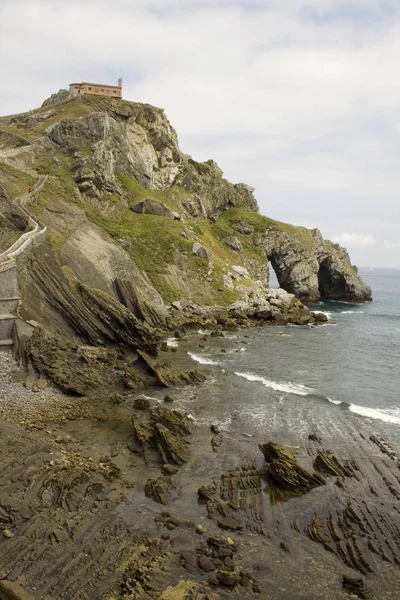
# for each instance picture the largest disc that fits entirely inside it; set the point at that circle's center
(9, 280)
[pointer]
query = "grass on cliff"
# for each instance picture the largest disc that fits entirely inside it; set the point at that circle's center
(157, 246)
(261, 225)
(14, 181)
(73, 109)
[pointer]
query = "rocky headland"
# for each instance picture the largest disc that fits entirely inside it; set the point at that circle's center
(121, 242)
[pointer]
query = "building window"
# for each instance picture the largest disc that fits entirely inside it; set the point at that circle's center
(90, 88)
(102, 90)
(114, 92)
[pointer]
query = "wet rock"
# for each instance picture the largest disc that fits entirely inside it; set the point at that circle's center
(285, 473)
(314, 438)
(227, 578)
(354, 584)
(142, 403)
(200, 529)
(160, 490)
(170, 469)
(165, 431)
(328, 464)
(319, 317)
(168, 376)
(216, 442)
(205, 563)
(73, 368)
(168, 399)
(9, 590)
(230, 522)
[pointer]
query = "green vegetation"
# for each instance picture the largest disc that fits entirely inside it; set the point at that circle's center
(260, 224)
(135, 192)
(14, 181)
(73, 109)
(201, 168)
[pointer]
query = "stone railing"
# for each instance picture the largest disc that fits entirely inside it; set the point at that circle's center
(9, 292)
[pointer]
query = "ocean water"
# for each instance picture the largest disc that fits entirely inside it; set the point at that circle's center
(300, 378)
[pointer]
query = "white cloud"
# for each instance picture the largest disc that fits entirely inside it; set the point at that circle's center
(354, 240)
(392, 244)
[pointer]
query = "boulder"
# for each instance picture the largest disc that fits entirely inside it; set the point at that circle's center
(199, 250)
(151, 206)
(234, 243)
(285, 473)
(160, 490)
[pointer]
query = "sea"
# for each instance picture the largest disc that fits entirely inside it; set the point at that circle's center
(296, 380)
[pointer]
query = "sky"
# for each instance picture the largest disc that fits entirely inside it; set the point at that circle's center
(299, 99)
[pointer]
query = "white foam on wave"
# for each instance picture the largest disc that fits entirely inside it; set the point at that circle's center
(172, 342)
(337, 402)
(375, 413)
(286, 386)
(351, 312)
(203, 360)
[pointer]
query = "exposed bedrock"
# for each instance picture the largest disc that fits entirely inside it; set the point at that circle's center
(312, 268)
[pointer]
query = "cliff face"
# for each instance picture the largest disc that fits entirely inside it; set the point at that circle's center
(191, 234)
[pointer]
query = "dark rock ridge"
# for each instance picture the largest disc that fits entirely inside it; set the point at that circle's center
(161, 434)
(287, 476)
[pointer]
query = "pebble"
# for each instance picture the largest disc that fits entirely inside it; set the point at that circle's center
(8, 534)
(200, 529)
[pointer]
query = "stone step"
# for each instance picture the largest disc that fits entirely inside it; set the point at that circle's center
(9, 305)
(6, 343)
(7, 326)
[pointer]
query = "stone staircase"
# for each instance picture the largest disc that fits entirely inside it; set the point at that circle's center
(9, 291)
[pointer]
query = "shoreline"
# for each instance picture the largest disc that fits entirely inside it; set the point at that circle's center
(83, 451)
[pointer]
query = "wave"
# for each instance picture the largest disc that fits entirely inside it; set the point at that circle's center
(385, 415)
(172, 342)
(202, 359)
(288, 387)
(351, 312)
(375, 413)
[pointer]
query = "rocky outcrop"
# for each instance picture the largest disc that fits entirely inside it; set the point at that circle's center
(90, 315)
(286, 475)
(309, 266)
(72, 368)
(132, 138)
(167, 375)
(234, 243)
(143, 301)
(160, 434)
(211, 192)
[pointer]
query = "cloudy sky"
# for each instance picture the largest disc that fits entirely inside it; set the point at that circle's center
(298, 98)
